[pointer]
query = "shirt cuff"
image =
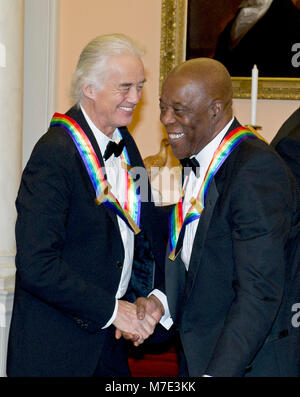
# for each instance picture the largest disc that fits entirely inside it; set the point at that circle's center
(113, 317)
(166, 320)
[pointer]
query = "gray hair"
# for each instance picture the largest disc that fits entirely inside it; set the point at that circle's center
(91, 67)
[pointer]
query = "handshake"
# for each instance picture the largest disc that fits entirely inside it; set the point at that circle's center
(137, 321)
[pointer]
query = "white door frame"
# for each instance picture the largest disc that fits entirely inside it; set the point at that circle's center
(40, 38)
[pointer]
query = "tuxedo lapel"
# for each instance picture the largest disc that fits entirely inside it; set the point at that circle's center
(204, 221)
(77, 115)
(179, 283)
(200, 236)
(174, 284)
(131, 149)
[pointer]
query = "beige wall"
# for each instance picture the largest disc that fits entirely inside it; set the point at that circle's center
(81, 20)
(270, 113)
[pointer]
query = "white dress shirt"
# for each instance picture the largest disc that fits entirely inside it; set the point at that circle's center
(192, 186)
(116, 177)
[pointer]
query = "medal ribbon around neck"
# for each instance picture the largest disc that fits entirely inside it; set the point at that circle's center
(177, 224)
(132, 207)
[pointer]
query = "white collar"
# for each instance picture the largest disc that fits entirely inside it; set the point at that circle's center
(101, 138)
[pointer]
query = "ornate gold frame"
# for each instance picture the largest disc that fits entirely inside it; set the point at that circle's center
(172, 52)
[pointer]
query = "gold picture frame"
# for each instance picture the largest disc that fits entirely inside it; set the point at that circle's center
(172, 52)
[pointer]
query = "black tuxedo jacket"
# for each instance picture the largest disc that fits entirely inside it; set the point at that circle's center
(233, 312)
(69, 260)
(287, 143)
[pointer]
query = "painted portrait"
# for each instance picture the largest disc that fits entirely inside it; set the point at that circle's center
(241, 33)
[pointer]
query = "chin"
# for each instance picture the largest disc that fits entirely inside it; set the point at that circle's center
(178, 150)
(122, 123)
(178, 155)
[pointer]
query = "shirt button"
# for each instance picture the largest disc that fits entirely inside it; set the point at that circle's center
(119, 265)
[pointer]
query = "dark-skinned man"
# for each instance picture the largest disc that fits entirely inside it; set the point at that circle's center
(232, 275)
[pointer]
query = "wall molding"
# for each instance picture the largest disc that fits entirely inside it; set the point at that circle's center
(39, 94)
(6, 304)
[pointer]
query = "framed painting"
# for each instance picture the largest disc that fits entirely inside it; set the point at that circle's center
(195, 28)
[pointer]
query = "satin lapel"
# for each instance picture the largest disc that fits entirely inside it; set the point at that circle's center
(175, 282)
(135, 159)
(78, 116)
(204, 221)
(200, 236)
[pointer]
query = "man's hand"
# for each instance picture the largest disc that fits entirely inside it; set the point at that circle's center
(151, 305)
(148, 310)
(128, 325)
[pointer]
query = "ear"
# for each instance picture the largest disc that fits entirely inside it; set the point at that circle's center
(89, 91)
(215, 110)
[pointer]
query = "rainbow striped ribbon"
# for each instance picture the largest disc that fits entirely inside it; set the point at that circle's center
(177, 224)
(132, 207)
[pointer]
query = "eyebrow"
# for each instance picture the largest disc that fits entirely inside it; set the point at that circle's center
(173, 104)
(130, 84)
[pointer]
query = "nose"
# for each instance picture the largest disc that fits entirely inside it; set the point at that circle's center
(134, 95)
(167, 116)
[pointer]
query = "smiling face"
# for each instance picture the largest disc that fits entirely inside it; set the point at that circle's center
(195, 104)
(186, 114)
(113, 105)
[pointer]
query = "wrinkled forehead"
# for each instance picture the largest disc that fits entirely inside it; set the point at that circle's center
(121, 62)
(182, 87)
(124, 69)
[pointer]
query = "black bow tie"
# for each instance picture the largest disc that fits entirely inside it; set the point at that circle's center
(114, 148)
(191, 164)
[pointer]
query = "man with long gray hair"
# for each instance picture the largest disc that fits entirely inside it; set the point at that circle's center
(79, 211)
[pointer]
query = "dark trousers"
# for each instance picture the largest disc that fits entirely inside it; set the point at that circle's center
(113, 360)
